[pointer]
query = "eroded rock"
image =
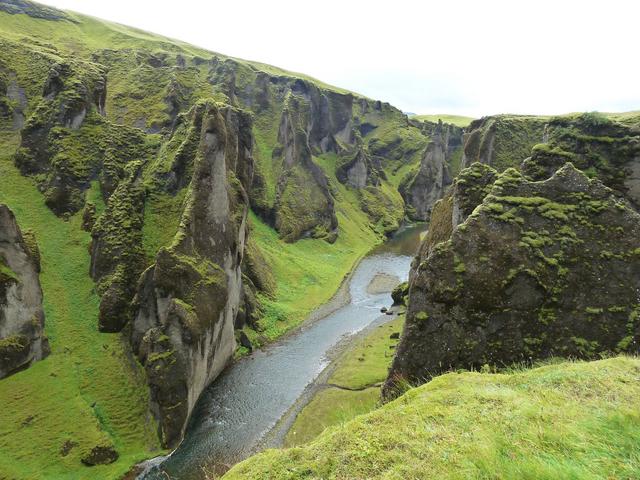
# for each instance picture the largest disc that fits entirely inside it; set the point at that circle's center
(539, 269)
(188, 300)
(22, 338)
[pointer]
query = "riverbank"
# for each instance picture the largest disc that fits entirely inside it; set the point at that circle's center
(350, 385)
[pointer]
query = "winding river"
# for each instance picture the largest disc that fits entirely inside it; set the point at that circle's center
(236, 415)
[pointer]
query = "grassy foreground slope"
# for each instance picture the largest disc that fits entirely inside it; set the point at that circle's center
(568, 420)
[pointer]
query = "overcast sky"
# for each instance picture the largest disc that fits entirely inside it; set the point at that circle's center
(466, 57)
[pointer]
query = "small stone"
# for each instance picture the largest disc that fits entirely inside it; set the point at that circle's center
(383, 310)
(245, 342)
(394, 335)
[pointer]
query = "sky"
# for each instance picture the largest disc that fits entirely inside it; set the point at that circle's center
(462, 57)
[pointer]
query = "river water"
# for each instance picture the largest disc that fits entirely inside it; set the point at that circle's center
(236, 412)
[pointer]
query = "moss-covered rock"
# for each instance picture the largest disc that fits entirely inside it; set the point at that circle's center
(22, 338)
(539, 269)
(188, 300)
(597, 145)
(502, 141)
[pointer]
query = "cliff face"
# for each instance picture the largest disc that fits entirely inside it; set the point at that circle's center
(600, 147)
(427, 185)
(22, 338)
(539, 269)
(188, 300)
(502, 141)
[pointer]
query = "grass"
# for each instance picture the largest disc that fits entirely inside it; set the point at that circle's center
(560, 421)
(88, 391)
(354, 387)
(458, 120)
(367, 362)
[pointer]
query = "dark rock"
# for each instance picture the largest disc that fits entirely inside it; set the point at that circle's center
(245, 342)
(187, 301)
(527, 276)
(66, 447)
(394, 335)
(88, 216)
(22, 338)
(389, 312)
(100, 455)
(400, 293)
(383, 310)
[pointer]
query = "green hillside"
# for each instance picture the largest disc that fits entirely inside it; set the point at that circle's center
(566, 420)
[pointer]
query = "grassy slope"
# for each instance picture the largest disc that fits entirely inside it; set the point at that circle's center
(87, 391)
(458, 120)
(568, 420)
(353, 388)
(90, 34)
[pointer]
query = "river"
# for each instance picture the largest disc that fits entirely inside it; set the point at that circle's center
(235, 414)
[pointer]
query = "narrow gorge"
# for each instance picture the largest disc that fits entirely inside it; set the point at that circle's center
(204, 260)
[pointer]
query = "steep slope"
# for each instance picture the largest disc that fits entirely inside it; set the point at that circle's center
(22, 340)
(568, 420)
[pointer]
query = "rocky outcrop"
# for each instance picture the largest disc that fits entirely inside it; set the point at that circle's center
(595, 144)
(429, 183)
(188, 300)
(423, 188)
(67, 143)
(539, 269)
(502, 141)
(358, 169)
(304, 205)
(22, 338)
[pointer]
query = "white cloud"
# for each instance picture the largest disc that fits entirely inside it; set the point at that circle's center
(463, 56)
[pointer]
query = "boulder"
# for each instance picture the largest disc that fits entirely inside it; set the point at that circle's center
(538, 270)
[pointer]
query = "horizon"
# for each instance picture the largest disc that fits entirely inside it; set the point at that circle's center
(452, 78)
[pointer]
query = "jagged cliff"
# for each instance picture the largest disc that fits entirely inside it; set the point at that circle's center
(22, 337)
(427, 185)
(188, 300)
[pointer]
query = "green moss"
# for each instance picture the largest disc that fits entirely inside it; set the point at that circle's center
(593, 310)
(157, 356)
(5, 271)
